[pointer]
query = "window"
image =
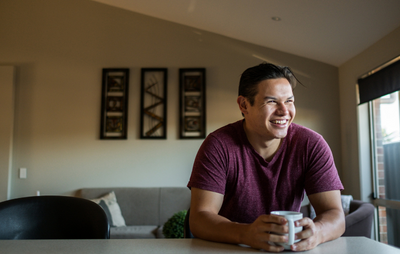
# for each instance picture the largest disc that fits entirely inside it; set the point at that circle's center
(380, 91)
(385, 123)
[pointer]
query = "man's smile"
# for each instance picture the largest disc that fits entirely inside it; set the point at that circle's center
(283, 121)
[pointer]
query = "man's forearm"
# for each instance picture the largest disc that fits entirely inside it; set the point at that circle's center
(212, 227)
(206, 223)
(330, 224)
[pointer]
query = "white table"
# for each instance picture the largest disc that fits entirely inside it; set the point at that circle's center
(343, 245)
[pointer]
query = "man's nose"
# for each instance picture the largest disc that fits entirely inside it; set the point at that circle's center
(282, 109)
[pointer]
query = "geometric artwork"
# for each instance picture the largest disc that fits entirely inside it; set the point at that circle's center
(192, 109)
(192, 123)
(193, 103)
(153, 103)
(114, 104)
(114, 124)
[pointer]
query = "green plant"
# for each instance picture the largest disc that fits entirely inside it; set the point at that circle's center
(173, 228)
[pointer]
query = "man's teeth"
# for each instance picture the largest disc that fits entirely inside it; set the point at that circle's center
(279, 121)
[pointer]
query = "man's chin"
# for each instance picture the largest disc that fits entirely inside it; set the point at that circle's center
(281, 135)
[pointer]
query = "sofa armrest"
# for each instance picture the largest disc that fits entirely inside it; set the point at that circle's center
(359, 220)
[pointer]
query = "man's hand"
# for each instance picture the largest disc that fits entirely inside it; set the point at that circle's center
(267, 230)
(309, 236)
(262, 232)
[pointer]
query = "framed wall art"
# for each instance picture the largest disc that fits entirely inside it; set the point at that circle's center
(153, 103)
(114, 104)
(192, 103)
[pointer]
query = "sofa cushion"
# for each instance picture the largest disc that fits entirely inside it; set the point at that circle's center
(143, 205)
(139, 206)
(173, 200)
(129, 232)
(111, 208)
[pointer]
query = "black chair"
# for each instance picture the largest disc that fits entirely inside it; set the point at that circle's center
(186, 230)
(52, 217)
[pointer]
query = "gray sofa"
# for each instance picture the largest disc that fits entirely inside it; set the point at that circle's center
(145, 210)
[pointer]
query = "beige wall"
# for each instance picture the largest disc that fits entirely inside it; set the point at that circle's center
(59, 49)
(6, 127)
(379, 53)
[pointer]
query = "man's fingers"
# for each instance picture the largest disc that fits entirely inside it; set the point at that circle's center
(271, 218)
(305, 222)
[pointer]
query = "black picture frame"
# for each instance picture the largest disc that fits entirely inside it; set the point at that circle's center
(192, 103)
(114, 103)
(153, 106)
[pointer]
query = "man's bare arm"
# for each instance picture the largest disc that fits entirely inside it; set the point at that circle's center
(329, 223)
(205, 223)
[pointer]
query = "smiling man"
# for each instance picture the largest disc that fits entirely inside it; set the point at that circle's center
(264, 163)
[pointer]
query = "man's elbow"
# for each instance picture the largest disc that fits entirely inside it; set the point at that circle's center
(342, 223)
(194, 225)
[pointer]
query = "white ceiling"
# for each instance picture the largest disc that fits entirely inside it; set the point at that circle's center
(330, 31)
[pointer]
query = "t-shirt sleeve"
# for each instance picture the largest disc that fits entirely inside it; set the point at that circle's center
(209, 168)
(321, 174)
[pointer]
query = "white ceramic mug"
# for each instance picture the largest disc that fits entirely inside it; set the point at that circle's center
(291, 218)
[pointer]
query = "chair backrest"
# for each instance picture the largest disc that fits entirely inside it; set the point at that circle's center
(52, 217)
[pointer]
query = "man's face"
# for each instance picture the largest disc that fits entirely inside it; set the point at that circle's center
(273, 110)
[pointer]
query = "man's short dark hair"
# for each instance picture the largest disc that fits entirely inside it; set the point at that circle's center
(248, 85)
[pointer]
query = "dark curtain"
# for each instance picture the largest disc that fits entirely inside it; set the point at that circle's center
(383, 82)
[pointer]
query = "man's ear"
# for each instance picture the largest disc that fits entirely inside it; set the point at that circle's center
(242, 102)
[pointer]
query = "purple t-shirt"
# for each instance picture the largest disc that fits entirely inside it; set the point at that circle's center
(227, 163)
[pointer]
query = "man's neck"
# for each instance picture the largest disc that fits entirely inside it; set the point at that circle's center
(267, 148)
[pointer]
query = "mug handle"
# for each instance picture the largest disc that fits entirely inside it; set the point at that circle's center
(291, 231)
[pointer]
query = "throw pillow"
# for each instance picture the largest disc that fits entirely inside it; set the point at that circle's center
(111, 208)
(346, 200)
